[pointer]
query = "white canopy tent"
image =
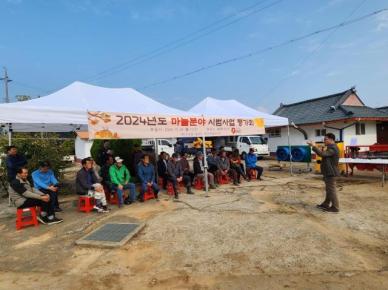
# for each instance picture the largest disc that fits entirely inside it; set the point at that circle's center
(66, 109)
(215, 107)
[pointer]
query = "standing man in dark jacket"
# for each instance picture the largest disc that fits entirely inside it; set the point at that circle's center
(329, 170)
(13, 162)
(162, 168)
(146, 174)
(175, 174)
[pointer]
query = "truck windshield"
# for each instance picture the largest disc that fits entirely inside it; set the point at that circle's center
(257, 140)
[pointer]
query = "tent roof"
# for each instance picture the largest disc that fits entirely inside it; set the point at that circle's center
(215, 107)
(65, 110)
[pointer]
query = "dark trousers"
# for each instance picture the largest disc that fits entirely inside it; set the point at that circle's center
(144, 188)
(190, 175)
(45, 206)
(186, 181)
(239, 172)
(53, 197)
(331, 193)
(165, 179)
(259, 170)
(233, 173)
(120, 193)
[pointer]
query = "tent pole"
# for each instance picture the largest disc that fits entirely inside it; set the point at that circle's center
(289, 147)
(156, 158)
(9, 134)
(205, 163)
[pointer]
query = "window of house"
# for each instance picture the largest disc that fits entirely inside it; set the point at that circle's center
(274, 132)
(320, 132)
(360, 129)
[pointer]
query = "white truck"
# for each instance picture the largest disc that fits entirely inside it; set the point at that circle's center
(162, 145)
(244, 143)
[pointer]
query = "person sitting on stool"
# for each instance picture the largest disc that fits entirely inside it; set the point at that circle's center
(146, 174)
(175, 175)
(24, 196)
(45, 181)
(251, 163)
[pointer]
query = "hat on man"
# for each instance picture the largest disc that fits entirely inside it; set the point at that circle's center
(118, 159)
(199, 153)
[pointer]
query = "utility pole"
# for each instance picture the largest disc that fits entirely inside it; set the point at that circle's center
(6, 81)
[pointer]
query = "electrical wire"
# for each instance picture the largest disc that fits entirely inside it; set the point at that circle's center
(186, 40)
(263, 50)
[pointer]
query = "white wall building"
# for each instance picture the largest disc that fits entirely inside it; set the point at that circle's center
(343, 114)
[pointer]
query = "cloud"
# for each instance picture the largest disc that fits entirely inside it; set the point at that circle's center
(262, 109)
(334, 73)
(382, 21)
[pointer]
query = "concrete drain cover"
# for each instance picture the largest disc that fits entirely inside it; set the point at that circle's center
(111, 235)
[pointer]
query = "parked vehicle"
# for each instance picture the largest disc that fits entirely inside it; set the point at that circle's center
(162, 145)
(243, 144)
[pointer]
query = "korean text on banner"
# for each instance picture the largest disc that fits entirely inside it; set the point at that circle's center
(104, 125)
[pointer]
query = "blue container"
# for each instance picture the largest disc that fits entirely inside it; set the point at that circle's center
(299, 154)
(283, 154)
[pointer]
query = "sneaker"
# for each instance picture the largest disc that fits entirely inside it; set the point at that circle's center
(189, 191)
(213, 187)
(176, 196)
(42, 219)
(105, 209)
(97, 208)
(58, 209)
(128, 202)
(331, 209)
(322, 206)
(54, 221)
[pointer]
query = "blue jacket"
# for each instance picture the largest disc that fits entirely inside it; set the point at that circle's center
(146, 173)
(250, 160)
(43, 180)
(13, 163)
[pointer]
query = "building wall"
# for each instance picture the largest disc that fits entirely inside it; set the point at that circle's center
(82, 148)
(297, 138)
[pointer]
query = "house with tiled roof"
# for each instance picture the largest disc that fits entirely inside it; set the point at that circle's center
(343, 114)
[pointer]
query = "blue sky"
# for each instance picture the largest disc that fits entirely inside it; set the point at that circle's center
(46, 45)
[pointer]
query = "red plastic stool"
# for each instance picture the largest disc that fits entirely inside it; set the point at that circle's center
(252, 173)
(170, 188)
(198, 183)
(160, 182)
(107, 193)
(223, 179)
(114, 199)
(85, 203)
(149, 194)
(23, 221)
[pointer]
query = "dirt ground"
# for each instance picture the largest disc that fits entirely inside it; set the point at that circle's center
(262, 235)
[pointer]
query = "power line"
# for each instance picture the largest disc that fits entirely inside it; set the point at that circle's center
(189, 38)
(303, 60)
(269, 48)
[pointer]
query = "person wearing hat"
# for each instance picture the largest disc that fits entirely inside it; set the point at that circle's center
(250, 163)
(120, 178)
(175, 175)
(199, 170)
(45, 181)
